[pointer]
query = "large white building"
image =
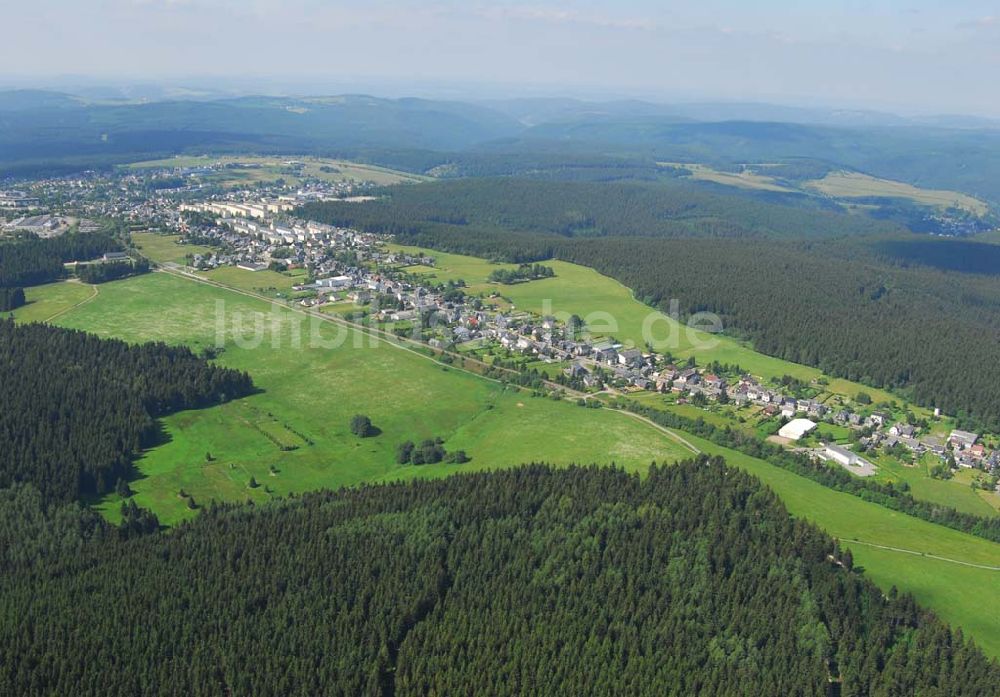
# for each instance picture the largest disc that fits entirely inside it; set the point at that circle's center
(796, 428)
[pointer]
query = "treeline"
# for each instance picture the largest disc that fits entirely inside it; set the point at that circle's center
(111, 271)
(11, 298)
(693, 580)
(76, 409)
(664, 208)
(33, 261)
(524, 272)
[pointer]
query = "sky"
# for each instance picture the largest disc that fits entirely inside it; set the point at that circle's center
(914, 56)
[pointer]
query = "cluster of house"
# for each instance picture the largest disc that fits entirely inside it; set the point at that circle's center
(963, 446)
(969, 452)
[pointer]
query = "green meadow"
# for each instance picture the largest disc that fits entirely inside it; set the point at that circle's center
(857, 185)
(264, 282)
(47, 302)
(294, 436)
(164, 248)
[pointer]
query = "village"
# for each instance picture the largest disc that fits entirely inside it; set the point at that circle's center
(358, 275)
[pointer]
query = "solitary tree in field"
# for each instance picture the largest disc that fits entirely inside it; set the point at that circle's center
(361, 426)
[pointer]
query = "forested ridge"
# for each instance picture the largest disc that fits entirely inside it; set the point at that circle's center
(529, 581)
(664, 208)
(862, 307)
(75, 409)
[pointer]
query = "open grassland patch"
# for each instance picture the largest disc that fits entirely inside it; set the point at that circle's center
(857, 185)
(265, 282)
(164, 248)
(292, 169)
(311, 393)
(962, 595)
(746, 178)
(51, 299)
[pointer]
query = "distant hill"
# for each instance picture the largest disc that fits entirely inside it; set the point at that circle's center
(39, 125)
(966, 160)
(22, 100)
(41, 129)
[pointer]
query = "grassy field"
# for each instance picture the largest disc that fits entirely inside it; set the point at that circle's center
(857, 185)
(840, 185)
(991, 237)
(266, 282)
(271, 169)
(50, 300)
(954, 492)
(164, 248)
(453, 267)
(310, 394)
(745, 179)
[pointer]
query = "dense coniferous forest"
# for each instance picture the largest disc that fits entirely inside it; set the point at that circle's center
(528, 581)
(29, 262)
(11, 298)
(75, 409)
(871, 308)
(664, 208)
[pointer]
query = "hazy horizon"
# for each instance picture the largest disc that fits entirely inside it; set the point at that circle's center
(913, 57)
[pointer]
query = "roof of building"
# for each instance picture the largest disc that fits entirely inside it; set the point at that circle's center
(796, 428)
(840, 450)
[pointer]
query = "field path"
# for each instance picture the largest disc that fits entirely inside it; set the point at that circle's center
(987, 567)
(73, 307)
(401, 343)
